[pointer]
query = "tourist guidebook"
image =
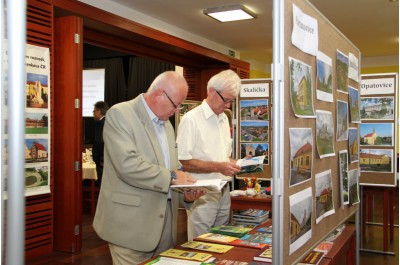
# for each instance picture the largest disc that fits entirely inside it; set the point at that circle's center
(217, 248)
(251, 164)
(312, 258)
(173, 261)
(251, 216)
(231, 230)
(216, 238)
(324, 246)
(209, 184)
(182, 254)
(265, 255)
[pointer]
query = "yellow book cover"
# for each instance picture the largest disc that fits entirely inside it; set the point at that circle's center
(182, 254)
(216, 238)
(217, 248)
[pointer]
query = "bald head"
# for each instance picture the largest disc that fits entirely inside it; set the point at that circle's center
(166, 92)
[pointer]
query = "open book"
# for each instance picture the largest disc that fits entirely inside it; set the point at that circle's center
(209, 184)
(252, 164)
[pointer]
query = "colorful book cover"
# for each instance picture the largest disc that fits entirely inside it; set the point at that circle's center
(265, 255)
(244, 243)
(253, 212)
(264, 230)
(217, 248)
(312, 258)
(257, 238)
(216, 238)
(221, 261)
(182, 254)
(324, 246)
(231, 230)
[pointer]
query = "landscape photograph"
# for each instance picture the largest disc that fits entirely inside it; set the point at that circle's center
(376, 134)
(301, 94)
(301, 155)
(254, 131)
(324, 77)
(342, 70)
(377, 108)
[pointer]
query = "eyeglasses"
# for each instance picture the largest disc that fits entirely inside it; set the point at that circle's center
(223, 99)
(178, 107)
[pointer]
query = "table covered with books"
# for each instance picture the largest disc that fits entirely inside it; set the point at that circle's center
(235, 251)
(217, 248)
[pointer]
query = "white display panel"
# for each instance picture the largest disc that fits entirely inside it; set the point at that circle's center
(92, 89)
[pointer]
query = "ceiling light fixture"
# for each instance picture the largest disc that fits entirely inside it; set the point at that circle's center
(229, 13)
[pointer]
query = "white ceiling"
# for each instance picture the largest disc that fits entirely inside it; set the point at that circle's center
(372, 25)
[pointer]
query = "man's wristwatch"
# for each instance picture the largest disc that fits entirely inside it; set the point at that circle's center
(173, 175)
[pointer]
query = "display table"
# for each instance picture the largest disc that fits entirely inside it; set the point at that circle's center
(262, 202)
(89, 172)
(344, 248)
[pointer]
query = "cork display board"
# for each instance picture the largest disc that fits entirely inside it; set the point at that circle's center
(378, 130)
(321, 128)
(254, 124)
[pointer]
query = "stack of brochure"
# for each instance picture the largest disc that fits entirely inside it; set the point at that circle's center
(251, 217)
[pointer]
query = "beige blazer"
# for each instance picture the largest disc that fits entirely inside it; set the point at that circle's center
(134, 190)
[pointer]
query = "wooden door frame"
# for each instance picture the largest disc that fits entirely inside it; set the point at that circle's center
(67, 136)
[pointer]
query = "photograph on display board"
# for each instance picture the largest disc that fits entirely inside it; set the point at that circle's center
(377, 108)
(254, 131)
(354, 187)
(36, 150)
(323, 195)
(300, 218)
(353, 144)
(301, 92)
(324, 77)
(187, 105)
(344, 177)
(254, 110)
(342, 72)
(376, 160)
(376, 134)
(354, 101)
(36, 176)
(37, 120)
(301, 155)
(36, 123)
(254, 149)
(36, 90)
(342, 121)
(324, 134)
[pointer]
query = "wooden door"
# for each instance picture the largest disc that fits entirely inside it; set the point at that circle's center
(68, 133)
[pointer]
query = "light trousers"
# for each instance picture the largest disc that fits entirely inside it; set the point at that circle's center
(125, 256)
(210, 210)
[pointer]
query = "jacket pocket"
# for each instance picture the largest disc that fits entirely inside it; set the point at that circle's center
(127, 199)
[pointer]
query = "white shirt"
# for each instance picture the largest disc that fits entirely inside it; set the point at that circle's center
(160, 131)
(204, 136)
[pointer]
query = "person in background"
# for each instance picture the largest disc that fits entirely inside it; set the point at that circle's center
(205, 148)
(137, 211)
(99, 115)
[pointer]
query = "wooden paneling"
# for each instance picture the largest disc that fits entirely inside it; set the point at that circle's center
(192, 77)
(161, 45)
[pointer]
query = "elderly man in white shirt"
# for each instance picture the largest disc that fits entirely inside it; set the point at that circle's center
(205, 148)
